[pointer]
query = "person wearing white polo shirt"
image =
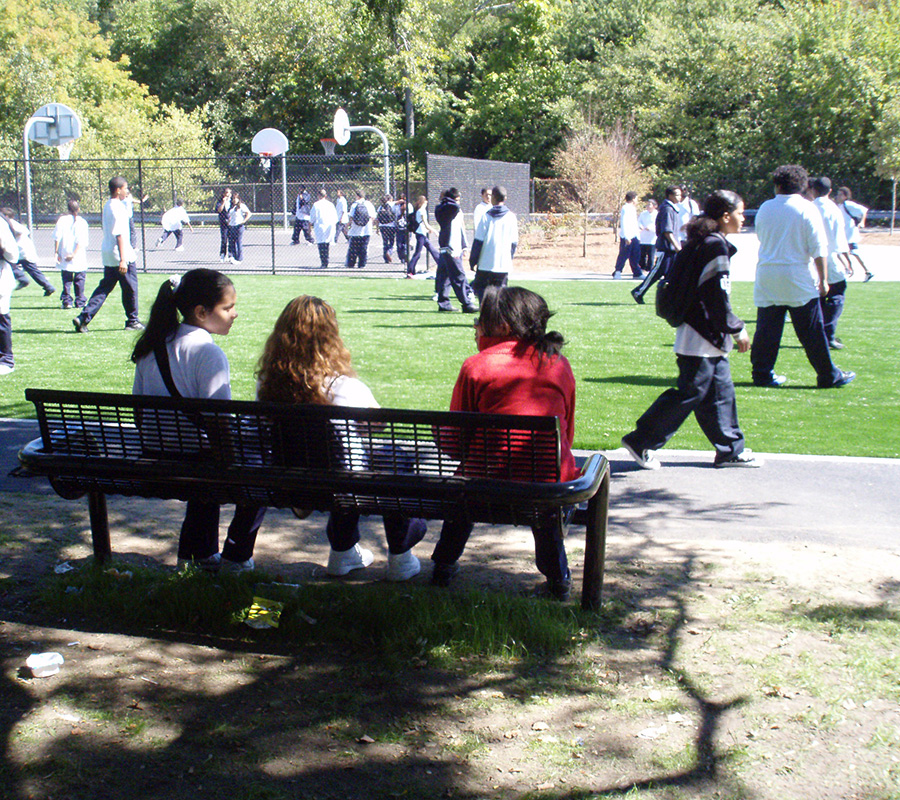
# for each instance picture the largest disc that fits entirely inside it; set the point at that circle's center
(791, 235)
(838, 259)
(496, 239)
(629, 238)
(854, 215)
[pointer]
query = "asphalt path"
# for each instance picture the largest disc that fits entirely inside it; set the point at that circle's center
(794, 499)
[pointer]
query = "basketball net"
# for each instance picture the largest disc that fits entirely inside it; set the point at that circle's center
(328, 146)
(65, 150)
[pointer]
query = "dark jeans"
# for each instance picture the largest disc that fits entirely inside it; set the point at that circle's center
(549, 546)
(179, 237)
(305, 226)
(388, 235)
(629, 250)
(422, 241)
(664, 259)
(648, 256)
(402, 244)
(449, 273)
(223, 235)
(236, 242)
(358, 252)
(324, 249)
(24, 268)
(112, 276)
(704, 387)
(483, 279)
(200, 531)
(833, 307)
(70, 281)
(339, 228)
(401, 532)
(810, 330)
(6, 352)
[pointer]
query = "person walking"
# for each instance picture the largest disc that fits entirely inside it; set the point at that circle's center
(629, 239)
(495, 245)
(647, 235)
(668, 241)
(362, 212)
(26, 265)
(70, 242)
(118, 257)
(452, 246)
(9, 254)
(702, 344)
(323, 218)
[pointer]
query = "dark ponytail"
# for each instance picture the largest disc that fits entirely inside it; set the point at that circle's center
(197, 287)
(524, 313)
(720, 202)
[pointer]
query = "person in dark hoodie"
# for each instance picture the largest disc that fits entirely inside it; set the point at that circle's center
(496, 238)
(702, 343)
(452, 244)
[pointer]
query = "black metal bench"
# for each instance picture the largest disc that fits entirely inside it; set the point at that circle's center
(498, 469)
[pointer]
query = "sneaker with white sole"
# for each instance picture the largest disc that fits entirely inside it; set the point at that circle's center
(209, 564)
(745, 458)
(646, 459)
(340, 562)
(237, 567)
(403, 566)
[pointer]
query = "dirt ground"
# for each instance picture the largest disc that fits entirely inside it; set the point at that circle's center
(736, 672)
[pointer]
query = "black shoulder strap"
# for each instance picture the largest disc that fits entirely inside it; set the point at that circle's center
(162, 361)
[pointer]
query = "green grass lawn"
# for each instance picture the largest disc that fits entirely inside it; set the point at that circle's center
(410, 355)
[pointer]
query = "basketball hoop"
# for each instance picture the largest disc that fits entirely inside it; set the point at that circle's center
(328, 146)
(65, 149)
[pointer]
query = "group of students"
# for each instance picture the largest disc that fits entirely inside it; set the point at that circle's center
(233, 218)
(518, 369)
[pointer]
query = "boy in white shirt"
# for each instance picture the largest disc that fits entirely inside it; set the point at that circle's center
(173, 221)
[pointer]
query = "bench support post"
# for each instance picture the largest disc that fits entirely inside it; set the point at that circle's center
(595, 547)
(99, 527)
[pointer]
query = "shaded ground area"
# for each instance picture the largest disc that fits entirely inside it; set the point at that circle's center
(744, 663)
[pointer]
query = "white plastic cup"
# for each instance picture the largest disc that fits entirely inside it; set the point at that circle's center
(43, 665)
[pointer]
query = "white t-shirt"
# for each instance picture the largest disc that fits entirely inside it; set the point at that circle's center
(832, 220)
(647, 227)
(199, 367)
(324, 218)
(498, 234)
(352, 392)
(687, 210)
(851, 228)
(791, 234)
(115, 217)
(628, 222)
(175, 218)
(479, 212)
(362, 230)
(238, 215)
(71, 238)
(27, 250)
(340, 206)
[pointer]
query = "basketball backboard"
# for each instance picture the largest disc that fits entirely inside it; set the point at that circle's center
(270, 141)
(341, 127)
(59, 126)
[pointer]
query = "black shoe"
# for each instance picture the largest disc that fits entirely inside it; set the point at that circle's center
(449, 310)
(22, 284)
(869, 276)
(638, 297)
(846, 377)
(80, 325)
(772, 383)
(134, 326)
(442, 574)
(48, 292)
(555, 590)
(470, 309)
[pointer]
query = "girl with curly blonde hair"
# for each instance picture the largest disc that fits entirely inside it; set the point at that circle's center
(306, 361)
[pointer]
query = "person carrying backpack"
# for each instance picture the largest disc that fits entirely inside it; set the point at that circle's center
(362, 212)
(387, 226)
(702, 343)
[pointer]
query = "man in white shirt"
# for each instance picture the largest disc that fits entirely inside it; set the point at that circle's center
(629, 239)
(838, 259)
(452, 245)
(323, 218)
(482, 208)
(119, 265)
(791, 234)
(496, 239)
(362, 212)
(340, 206)
(647, 235)
(173, 222)
(302, 208)
(9, 254)
(70, 243)
(688, 209)
(27, 261)
(854, 215)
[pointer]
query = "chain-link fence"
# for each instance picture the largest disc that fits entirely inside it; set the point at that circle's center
(471, 175)
(273, 239)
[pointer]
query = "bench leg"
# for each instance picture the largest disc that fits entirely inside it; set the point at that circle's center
(595, 547)
(99, 527)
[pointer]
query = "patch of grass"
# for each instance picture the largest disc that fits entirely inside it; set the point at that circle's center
(621, 354)
(413, 624)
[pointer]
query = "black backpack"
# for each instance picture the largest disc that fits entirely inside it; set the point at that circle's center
(677, 290)
(386, 215)
(361, 214)
(411, 222)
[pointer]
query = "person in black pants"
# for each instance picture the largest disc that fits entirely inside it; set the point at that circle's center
(667, 241)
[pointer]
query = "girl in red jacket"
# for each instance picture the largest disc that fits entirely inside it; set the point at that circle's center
(518, 369)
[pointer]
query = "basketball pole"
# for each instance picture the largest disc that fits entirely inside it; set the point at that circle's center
(32, 121)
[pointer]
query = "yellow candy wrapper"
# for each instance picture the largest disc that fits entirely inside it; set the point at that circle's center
(264, 613)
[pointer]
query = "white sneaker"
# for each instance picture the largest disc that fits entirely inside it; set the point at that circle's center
(403, 566)
(5, 369)
(179, 249)
(209, 564)
(743, 459)
(340, 562)
(237, 567)
(646, 459)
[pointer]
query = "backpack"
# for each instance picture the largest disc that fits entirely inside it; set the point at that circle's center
(385, 215)
(677, 290)
(361, 214)
(411, 222)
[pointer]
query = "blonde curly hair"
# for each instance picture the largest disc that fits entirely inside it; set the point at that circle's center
(303, 354)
